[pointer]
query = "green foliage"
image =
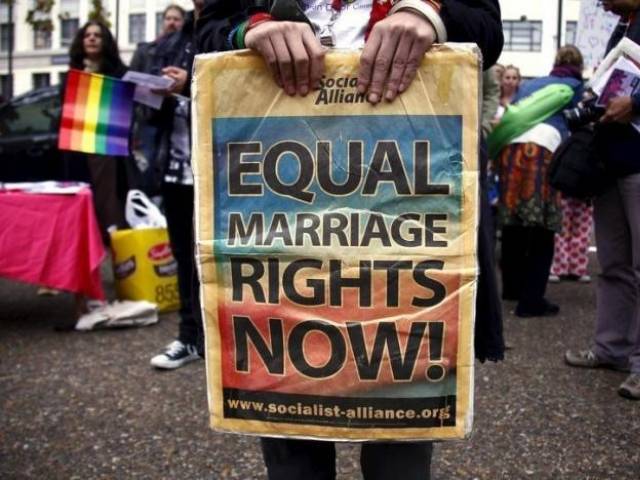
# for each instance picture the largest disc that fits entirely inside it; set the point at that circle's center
(99, 13)
(39, 17)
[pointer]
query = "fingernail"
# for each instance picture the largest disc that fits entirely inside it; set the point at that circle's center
(402, 88)
(304, 90)
(389, 96)
(362, 88)
(290, 90)
(373, 98)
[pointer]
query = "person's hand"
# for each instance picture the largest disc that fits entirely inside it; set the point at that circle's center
(619, 109)
(291, 51)
(393, 53)
(179, 77)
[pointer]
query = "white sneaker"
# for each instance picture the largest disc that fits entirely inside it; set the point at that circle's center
(175, 355)
(584, 279)
(554, 278)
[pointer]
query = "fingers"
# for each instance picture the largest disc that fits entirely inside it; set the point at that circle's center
(392, 55)
(284, 64)
(300, 62)
(292, 53)
(398, 67)
(258, 39)
(607, 117)
(316, 57)
(367, 60)
(419, 46)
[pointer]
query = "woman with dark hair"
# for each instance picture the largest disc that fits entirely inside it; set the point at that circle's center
(529, 211)
(94, 50)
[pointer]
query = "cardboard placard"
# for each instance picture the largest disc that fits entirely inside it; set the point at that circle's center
(337, 249)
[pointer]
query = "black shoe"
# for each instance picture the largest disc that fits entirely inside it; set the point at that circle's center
(548, 309)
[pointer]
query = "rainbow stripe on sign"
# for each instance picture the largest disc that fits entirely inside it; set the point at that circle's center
(96, 114)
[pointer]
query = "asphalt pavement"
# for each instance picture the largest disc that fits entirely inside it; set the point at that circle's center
(88, 405)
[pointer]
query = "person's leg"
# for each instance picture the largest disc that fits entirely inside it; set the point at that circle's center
(562, 245)
(197, 308)
(178, 205)
(178, 202)
(537, 264)
(617, 283)
(299, 459)
(104, 186)
(581, 235)
(630, 190)
(511, 259)
(394, 461)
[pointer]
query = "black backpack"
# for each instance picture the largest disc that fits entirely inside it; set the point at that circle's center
(576, 169)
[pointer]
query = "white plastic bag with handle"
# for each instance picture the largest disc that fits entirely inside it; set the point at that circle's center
(141, 212)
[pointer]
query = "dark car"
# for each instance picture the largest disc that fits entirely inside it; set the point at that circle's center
(29, 137)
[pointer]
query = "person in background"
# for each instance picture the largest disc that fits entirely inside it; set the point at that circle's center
(490, 98)
(617, 220)
(172, 21)
(498, 70)
(396, 39)
(529, 209)
(174, 58)
(509, 84)
(147, 139)
(94, 50)
(491, 80)
(571, 253)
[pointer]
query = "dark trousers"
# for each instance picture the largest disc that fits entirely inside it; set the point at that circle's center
(617, 216)
(527, 253)
(109, 187)
(178, 209)
(315, 460)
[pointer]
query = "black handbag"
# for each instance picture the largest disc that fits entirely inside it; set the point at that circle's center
(576, 169)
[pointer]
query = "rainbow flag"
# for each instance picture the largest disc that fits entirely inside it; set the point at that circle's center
(96, 114)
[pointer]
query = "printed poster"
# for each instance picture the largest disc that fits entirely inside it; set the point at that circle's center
(337, 249)
(595, 26)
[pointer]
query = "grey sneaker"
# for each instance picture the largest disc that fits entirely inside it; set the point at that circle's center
(588, 359)
(630, 388)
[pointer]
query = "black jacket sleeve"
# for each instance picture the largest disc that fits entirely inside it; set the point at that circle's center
(219, 17)
(476, 21)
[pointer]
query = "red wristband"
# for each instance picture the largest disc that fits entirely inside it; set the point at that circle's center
(258, 18)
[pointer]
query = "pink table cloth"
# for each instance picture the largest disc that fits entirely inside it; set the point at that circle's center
(51, 240)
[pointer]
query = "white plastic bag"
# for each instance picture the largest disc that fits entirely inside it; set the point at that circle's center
(141, 212)
(119, 315)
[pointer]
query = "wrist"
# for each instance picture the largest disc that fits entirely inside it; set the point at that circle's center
(236, 38)
(429, 10)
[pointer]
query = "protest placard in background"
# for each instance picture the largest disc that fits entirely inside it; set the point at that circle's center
(594, 29)
(337, 249)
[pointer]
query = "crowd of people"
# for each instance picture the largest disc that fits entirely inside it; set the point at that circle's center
(544, 236)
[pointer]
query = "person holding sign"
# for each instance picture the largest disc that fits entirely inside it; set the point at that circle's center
(292, 38)
(617, 222)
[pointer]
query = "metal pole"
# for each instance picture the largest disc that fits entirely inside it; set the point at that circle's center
(559, 39)
(10, 51)
(117, 21)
